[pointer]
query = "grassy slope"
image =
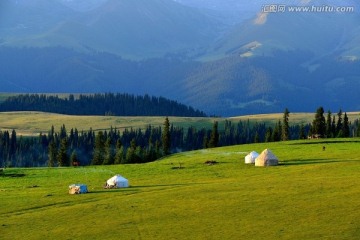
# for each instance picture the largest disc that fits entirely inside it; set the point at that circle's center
(32, 123)
(313, 194)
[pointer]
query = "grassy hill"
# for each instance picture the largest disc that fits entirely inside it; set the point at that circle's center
(33, 123)
(312, 194)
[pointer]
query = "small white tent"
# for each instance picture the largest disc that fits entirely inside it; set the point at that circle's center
(250, 158)
(117, 181)
(266, 158)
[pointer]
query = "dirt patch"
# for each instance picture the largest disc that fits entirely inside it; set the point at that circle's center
(211, 162)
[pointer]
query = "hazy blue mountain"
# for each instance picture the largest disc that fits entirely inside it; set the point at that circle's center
(225, 57)
(130, 28)
(322, 33)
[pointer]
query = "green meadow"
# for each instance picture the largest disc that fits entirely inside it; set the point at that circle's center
(312, 194)
(34, 123)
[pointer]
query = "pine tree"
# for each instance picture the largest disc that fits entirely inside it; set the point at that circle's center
(205, 142)
(139, 154)
(268, 135)
(285, 126)
(318, 125)
(276, 135)
(99, 149)
(339, 125)
(63, 133)
(345, 126)
(166, 141)
(333, 127)
(109, 152)
(62, 156)
(328, 130)
(214, 136)
(256, 138)
(130, 153)
(302, 132)
(119, 152)
(52, 153)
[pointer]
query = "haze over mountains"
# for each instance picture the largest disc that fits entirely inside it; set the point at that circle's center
(224, 57)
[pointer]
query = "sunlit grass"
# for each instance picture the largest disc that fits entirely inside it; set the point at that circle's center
(312, 194)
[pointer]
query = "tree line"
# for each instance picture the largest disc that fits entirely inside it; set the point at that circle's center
(66, 148)
(333, 125)
(100, 104)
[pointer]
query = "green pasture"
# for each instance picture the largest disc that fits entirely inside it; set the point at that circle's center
(312, 194)
(34, 123)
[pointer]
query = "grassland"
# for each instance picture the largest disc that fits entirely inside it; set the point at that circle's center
(33, 123)
(312, 194)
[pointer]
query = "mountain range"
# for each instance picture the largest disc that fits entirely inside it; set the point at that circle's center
(224, 57)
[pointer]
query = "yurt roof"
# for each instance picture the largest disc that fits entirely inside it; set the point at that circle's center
(267, 155)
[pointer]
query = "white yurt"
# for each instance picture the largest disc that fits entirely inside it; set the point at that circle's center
(77, 189)
(266, 158)
(117, 181)
(250, 158)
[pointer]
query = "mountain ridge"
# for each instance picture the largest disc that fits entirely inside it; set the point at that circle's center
(186, 53)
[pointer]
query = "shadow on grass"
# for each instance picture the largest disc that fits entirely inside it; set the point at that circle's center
(310, 142)
(12, 175)
(139, 188)
(312, 161)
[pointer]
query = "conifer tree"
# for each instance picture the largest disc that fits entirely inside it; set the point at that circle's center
(345, 126)
(130, 153)
(63, 133)
(166, 141)
(285, 126)
(328, 130)
(339, 125)
(62, 156)
(109, 152)
(268, 135)
(99, 149)
(302, 132)
(119, 152)
(257, 137)
(214, 137)
(333, 127)
(205, 142)
(52, 153)
(318, 125)
(276, 136)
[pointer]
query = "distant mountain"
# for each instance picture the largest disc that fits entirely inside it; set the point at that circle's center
(130, 28)
(224, 57)
(322, 34)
